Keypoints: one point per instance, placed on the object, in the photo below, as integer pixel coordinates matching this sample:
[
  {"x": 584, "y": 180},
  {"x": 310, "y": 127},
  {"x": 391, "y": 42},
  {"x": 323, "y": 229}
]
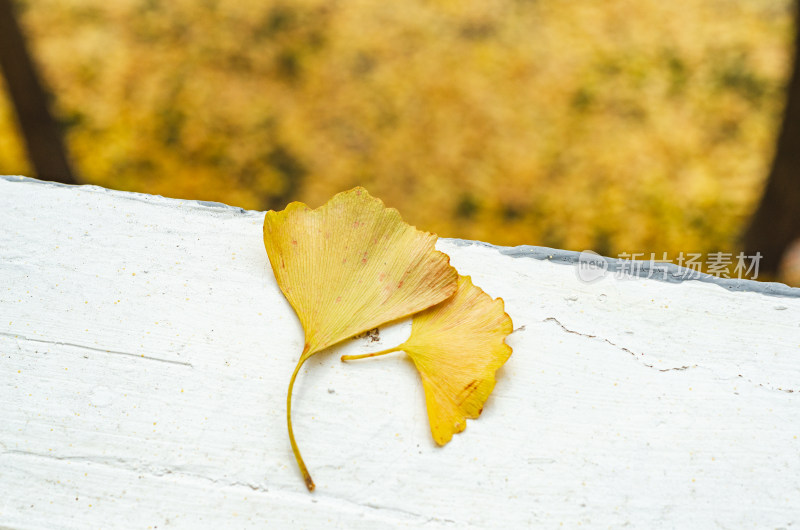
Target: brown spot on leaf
[{"x": 468, "y": 390}]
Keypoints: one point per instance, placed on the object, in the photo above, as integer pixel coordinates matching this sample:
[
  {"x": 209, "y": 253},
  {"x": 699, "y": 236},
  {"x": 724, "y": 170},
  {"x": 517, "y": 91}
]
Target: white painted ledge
[{"x": 145, "y": 352}]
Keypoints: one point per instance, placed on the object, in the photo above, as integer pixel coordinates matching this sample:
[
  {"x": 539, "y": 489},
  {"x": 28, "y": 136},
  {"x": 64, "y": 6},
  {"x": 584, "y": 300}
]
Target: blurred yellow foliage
[{"x": 618, "y": 125}]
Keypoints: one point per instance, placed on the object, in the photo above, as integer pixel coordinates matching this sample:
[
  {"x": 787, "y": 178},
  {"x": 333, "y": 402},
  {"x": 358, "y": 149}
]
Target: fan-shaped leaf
[
  {"x": 457, "y": 346},
  {"x": 349, "y": 266}
]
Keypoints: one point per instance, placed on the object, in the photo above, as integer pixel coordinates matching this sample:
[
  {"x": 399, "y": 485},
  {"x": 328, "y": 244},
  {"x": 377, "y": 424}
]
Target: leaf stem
[
  {"x": 295, "y": 450},
  {"x": 377, "y": 353}
]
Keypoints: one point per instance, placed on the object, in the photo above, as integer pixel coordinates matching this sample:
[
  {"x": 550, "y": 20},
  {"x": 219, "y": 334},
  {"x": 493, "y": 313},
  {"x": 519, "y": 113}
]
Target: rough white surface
[{"x": 146, "y": 350}]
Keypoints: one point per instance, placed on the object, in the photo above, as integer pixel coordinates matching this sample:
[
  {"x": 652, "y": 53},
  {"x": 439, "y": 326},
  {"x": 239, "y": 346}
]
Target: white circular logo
[{"x": 591, "y": 266}]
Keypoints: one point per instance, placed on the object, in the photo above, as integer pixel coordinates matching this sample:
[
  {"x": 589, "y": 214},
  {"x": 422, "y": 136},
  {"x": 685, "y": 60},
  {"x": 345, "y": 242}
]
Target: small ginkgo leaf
[
  {"x": 457, "y": 346},
  {"x": 350, "y": 266}
]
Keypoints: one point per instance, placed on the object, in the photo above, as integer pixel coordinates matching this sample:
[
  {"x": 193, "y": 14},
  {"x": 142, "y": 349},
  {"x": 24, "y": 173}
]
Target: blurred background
[{"x": 621, "y": 126}]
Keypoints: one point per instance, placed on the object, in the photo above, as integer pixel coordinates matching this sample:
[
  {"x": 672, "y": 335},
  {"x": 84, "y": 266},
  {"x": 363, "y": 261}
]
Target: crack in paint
[
  {"x": 767, "y": 387},
  {"x": 638, "y": 356},
  {"x": 622, "y": 348},
  {"x": 334, "y": 502},
  {"x": 90, "y": 348}
]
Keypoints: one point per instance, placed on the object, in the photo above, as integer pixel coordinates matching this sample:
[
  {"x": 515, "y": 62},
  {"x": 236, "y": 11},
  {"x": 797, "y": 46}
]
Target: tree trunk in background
[
  {"x": 42, "y": 135},
  {"x": 776, "y": 223}
]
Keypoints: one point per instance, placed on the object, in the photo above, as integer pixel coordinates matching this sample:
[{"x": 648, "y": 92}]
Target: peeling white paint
[{"x": 145, "y": 352}]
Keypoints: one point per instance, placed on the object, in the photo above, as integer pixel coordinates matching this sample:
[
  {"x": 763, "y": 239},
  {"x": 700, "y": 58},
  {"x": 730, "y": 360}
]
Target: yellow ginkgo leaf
[
  {"x": 349, "y": 266},
  {"x": 457, "y": 346}
]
